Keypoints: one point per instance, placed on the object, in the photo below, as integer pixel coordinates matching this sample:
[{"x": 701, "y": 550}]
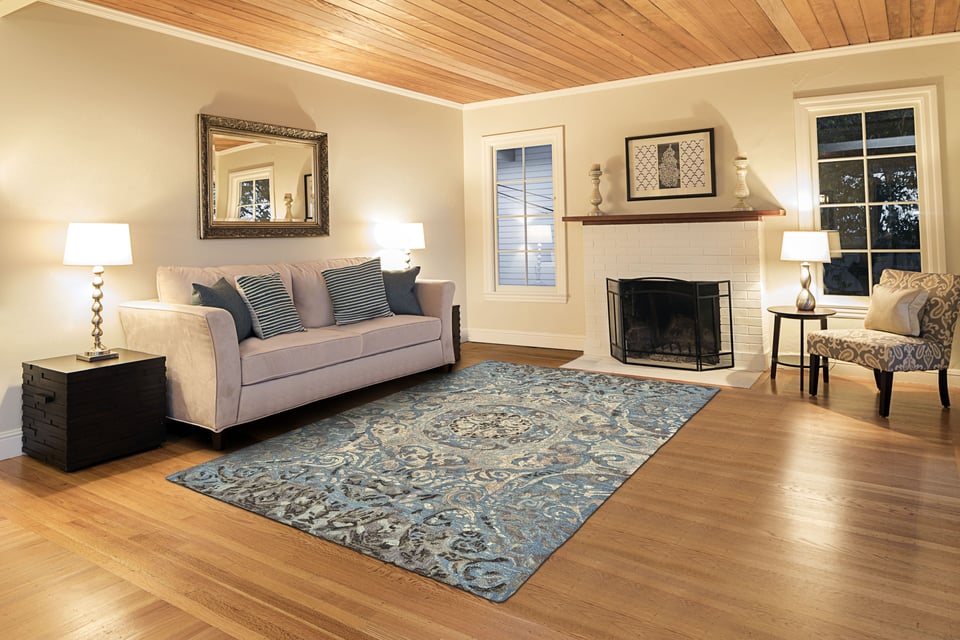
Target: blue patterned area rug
[{"x": 472, "y": 479}]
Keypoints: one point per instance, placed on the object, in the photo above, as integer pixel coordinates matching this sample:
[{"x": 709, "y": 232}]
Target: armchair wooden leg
[
  {"x": 814, "y": 373},
  {"x": 885, "y": 383},
  {"x": 876, "y": 379},
  {"x": 944, "y": 390}
]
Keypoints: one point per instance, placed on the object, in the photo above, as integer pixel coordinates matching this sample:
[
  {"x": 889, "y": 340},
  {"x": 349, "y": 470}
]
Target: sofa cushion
[
  {"x": 401, "y": 291},
  {"x": 293, "y": 353},
  {"x": 386, "y": 334},
  {"x": 309, "y": 290},
  {"x": 175, "y": 284},
  {"x": 225, "y": 296},
  {"x": 271, "y": 307},
  {"x": 895, "y": 310},
  {"x": 357, "y": 292}
]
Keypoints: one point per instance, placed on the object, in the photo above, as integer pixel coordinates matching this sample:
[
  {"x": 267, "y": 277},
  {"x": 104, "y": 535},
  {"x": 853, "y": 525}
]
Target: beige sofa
[{"x": 216, "y": 381}]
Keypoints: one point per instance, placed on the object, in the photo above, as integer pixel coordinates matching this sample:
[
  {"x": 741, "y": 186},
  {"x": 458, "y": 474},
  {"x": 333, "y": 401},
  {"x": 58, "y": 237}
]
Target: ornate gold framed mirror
[{"x": 261, "y": 180}]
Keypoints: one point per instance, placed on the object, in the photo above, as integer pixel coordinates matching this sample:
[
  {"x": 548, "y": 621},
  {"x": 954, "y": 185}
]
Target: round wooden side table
[{"x": 779, "y": 313}]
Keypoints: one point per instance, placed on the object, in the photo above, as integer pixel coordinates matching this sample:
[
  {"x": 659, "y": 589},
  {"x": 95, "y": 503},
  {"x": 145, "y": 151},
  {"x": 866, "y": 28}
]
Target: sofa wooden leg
[
  {"x": 885, "y": 379},
  {"x": 814, "y": 373},
  {"x": 944, "y": 389},
  {"x": 216, "y": 440}
]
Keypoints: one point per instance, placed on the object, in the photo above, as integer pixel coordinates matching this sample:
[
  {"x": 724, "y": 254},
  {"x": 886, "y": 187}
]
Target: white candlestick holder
[
  {"x": 596, "y": 198},
  {"x": 741, "y": 191}
]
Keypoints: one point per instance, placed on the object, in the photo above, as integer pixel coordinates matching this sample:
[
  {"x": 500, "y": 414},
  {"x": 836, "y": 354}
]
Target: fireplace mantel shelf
[{"x": 662, "y": 218}]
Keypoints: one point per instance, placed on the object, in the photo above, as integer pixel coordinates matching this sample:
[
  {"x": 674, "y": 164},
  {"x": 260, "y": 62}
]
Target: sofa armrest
[
  {"x": 203, "y": 357},
  {"x": 436, "y": 299}
]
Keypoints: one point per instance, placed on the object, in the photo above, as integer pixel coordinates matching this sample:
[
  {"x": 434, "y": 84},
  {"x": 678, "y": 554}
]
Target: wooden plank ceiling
[{"x": 467, "y": 51}]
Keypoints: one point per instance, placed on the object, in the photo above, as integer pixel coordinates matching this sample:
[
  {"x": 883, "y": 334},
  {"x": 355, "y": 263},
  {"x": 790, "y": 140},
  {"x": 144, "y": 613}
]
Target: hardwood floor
[{"x": 769, "y": 515}]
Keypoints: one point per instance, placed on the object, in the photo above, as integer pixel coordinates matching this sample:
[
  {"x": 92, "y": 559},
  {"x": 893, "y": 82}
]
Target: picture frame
[
  {"x": 671, "y": 165},
  {"x": 308, "y": 193}
]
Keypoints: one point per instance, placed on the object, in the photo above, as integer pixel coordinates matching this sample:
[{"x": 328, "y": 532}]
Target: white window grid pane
[
  {"x": 524, "y": 199},
  {"x": 866, "y": 157}
]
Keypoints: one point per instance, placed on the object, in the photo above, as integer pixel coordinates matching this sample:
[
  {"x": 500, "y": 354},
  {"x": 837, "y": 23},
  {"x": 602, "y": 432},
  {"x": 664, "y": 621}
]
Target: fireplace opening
[{"x": 665, "y": 322}]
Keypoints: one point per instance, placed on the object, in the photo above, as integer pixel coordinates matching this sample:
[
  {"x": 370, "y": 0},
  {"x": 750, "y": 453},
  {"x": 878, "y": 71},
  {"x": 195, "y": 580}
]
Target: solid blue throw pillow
[
  {"x": 224, "y": 296},
  {"x": 400, "y": 286}
]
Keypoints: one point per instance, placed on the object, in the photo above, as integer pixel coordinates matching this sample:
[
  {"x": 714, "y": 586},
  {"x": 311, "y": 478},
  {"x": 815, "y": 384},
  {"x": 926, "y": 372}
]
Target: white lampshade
[
  {"x": 805, "y": 246},
  {"x": 97, "y": 244},
  {"x": 400, "y": 235},
  {"x": 833, "y": 237},
  {"x": 411, "y": 235}
]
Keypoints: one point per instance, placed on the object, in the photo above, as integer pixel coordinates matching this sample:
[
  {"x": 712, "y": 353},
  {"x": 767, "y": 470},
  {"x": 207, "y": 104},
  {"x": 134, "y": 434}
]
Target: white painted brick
[
  {"x": 731, "y": 260},
  {"x": 718, "y": 251}
]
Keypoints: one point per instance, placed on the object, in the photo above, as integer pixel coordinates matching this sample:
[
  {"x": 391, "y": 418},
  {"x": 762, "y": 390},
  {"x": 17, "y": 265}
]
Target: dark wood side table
[
  {"x": 76, "y": 413},
  {"x": 779, "y": 313}
]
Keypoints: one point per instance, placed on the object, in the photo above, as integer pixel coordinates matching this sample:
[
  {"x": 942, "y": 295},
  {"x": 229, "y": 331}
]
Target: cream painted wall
[
  {"x": 752, "y": 110},
  {"x": 98, "y": 123}
]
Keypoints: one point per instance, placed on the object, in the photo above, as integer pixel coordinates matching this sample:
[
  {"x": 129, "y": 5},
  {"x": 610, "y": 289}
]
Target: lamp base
[
  {"x": 805, "y": 299},
  {"x": 100, "y": 354}
]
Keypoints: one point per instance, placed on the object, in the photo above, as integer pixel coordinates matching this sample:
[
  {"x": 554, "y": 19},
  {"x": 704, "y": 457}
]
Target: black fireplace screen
[{"x": 664, "y": 322}]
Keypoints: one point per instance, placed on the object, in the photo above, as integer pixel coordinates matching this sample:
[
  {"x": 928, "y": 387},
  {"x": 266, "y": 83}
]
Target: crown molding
[{"x": 9, "y": 6}]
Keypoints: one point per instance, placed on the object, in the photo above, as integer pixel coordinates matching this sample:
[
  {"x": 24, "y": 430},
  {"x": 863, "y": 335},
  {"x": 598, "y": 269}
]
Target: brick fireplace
[{"x": 684, "y": 246}]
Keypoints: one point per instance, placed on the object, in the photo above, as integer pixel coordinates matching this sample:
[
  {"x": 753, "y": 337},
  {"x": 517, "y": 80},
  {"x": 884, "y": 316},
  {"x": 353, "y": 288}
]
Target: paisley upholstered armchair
[{"x": 909, "y": 327}]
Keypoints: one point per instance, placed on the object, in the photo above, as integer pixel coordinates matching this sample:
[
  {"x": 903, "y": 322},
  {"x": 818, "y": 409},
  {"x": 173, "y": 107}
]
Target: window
[
  {"x": 251, "y": 195},
  {"x": 523, "y": 190},
  {"x": 869, "y": 168}
]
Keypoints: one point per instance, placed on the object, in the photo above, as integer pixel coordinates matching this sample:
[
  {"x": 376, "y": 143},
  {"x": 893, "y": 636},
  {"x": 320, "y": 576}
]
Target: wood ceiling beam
[
  {"x": 877, "y": 19},
  {"x": 946, "y": 16},
  {"x": 853, "y": 22}
]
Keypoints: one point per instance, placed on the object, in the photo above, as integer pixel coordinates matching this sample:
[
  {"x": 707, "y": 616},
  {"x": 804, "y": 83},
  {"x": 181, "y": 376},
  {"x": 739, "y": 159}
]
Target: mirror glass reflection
[{"x": 259, "y": 180}]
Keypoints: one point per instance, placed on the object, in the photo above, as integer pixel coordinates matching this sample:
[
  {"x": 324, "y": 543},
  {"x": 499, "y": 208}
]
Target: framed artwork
[
  {"x": 308, "y": 196},
  {"x": 671, "y": 165}
]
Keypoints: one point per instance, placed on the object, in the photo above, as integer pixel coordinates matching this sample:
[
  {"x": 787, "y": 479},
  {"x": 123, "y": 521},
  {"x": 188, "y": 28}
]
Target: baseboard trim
[
  {"x": 526, "y": 339},
  {"x": 11, "y": 443}
]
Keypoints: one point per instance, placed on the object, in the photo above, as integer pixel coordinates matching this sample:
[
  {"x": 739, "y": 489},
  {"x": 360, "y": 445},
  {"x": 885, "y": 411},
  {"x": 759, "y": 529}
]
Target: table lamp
[
  {"x": 95, "y": 245},
  {"x": 805, "y": 247},
  {"x": 405, "y": 236}
]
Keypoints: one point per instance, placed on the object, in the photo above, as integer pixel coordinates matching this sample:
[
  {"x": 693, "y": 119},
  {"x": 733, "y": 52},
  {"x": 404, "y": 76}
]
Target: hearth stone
[{"x": 665, "y": 322}]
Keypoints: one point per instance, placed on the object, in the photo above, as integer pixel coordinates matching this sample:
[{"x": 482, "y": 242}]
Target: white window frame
[
  {"x": 259, "y": 173},
  {"x": 929, "y": 174},
  {"x": 506, "y": 293}
]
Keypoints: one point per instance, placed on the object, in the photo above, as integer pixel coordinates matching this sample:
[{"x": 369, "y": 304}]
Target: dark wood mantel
[{"x": 666, "y": 218}]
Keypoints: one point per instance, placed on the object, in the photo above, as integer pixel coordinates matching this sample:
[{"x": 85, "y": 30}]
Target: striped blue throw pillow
[
  {"x": 271, "y": 308},
  {"x": 357, "y": 292}
]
